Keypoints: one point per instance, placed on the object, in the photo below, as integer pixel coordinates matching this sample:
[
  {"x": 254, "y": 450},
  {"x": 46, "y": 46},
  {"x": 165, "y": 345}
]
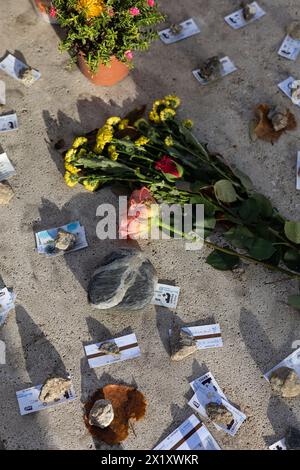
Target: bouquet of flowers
[
  {"x": 101, "y": 29},
  {"x": 162, "y": 161}
]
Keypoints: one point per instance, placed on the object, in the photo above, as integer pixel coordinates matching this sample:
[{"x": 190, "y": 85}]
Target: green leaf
[
  {"x": 264, "y": 205},
  {"x": 225, "y": 191},
  {"x": 261, "y": 249},
  {"x": 294, "y": 301},
  {"x": 292, "y": 231},
  {"x": 103, "y": 164},
  {"x": 291, "y": 259},
  {"x": 222, "y": 261},
  {"x": 244, "y": 179},
  {"x": 249, "y": 211},
  {"x": 240, "y": 237}
]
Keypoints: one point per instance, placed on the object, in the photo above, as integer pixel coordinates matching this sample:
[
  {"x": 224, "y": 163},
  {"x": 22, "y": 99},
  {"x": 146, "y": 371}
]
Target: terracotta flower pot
[{"x": 105, "y": 75}]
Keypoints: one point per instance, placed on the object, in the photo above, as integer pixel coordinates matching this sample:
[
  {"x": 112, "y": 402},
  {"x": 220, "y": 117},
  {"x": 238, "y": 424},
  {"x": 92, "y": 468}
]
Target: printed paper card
[
  {"x": 28, "y": 400},
  {"x": 298, "y": 172},
  {"x": 6, "y": 168},
  {"x": 290, "y": 48},
  {"x": 188, "y": 28},
  {"x": 228, "y": 68},
  {"x": 45, "y": 240},
  {"x": 7, "y": 299},
  {"x": 206, "y": 391},
  {"x": 280, "y": 445},
  {"x": 207, "y": 336},
  {"x": 14, "y": 68},
  {"x": 286, "y": 87},
  {"x": 128, "y": 349},
  {"x": 192, "y": 434},
  {"x": 166, "y": 296},
  {"x": 8, "y": 122},
  {"x": 292, "y": 361},
  {"x": 236, "y": 20},
  {"x": 2, "y": 92}
]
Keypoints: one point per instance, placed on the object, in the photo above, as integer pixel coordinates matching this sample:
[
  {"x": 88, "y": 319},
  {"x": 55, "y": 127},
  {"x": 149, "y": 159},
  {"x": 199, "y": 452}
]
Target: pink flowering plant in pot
[{"x": 100, "y": 30}]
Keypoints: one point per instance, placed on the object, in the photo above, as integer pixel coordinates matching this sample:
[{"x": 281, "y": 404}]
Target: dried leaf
[{"x": 264, "y": 129}]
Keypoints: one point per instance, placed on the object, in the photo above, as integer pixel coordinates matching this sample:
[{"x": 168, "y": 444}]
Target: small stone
[
  {"x": 211, "y": 69},
  {"x": 26, "y": 76},
  {"x": 64, "y": 240},
  {"x": 279, "y": 117},
  {"x": 176, "y": 29},
  {"x": 182, "y": 344},
  {"x": 101, "y": 414},
  {"x": 293, "y": 30},
  {"x": 54, "y": 389},
  {"x": 295, "y": 89},
  {"x": 126, "y": 279},
  {"x": 292, "y": 439},
  {"x": 249, "y": 11},
  {"x": 219, "y": 414},
  {"x": 109, "y": 347},
  {"x": 285, "y": 382},
  {"x": 6, "y": 192}
]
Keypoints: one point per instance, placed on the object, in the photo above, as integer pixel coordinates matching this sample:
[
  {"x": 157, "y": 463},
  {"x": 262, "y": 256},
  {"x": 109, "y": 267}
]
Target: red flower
[
  {"x": 169, "y": 167},
  {"x": 52, "y": 12},
  {"x": 142, "y": 208}
]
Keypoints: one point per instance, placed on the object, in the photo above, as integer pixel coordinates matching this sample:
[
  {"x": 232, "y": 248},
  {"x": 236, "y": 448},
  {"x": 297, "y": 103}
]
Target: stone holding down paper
[
  {"x": 184, "y": 30},
  {"x": 112, "y": 351},
  {"x": 47, "y": 240},
  {"x": 237, "y": 20},
  {"x": 18, "y": 70},
  {"x": 286, "y": 87},
  {"x": 228, "y": 67}
]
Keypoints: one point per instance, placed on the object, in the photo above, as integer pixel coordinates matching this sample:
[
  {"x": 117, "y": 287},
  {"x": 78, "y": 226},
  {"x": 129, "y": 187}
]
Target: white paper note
[
  {"x": 2, "y": 353},
  {"x": 189, "y": 28},
  {"x": 207, "y": 336},
  {"x": 280, "y": 445},
  {"x": 298, "y": 172},
  {"x": 6, "y": 168},
  {"x": 192, "y": 434},
  {"x": 2, "y": 92},
  {"x": 290, "y": 48},
  {"x": 166, "y": 296},
  {"x": 236, "y": 20},
  {"x": 228, "y": 67},
  {"x": 7, "y": 299},
  {"x": 45, "y": 239},
  {"x": 128, "y": 346},
  {"x": 206, "y": 391},
  {"x": 8, "y": 122},
  {"x": 13, "y": 67},
  {"x": 285, "y": 86},
  {"x": 292, "y": 361},
  {"x": 28, "y": 400}
]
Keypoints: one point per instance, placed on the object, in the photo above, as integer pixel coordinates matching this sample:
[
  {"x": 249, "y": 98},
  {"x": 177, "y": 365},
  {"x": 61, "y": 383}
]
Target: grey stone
[
  {"x": 176, "y": 29},
  {"x": 292, "y": 439},
  {"x": 249, "y": 11},
  {"x": 285, "y": 382},
  {"x": 211, "y": 69},
  {"x": 109, "y": 347},
  {"x": 181, "y": 343},
  {"x": 64, "y": 240},
  {"x": 293, "y": 30},
  {"x": 279, "y": 117},
  {"x": 219, "y": 414},
  {"x": 6, "y": 193},
  {"x": 54, "y": 389},
  {"x": 101, "y": 414},
  {"x": 126, "y": 279}
]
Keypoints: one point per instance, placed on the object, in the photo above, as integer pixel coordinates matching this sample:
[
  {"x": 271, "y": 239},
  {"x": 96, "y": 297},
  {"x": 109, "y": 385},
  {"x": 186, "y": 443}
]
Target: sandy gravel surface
[{"x": 53, "y": 319}]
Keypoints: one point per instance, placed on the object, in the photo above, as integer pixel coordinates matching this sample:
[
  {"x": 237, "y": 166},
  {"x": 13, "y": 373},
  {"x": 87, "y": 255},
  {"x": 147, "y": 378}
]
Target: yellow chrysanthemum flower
[
  {"x": 188, "y": 123},
  {"x": 141, "y": 141},
  {"x": 91, "y": 8},
  {"x": 153, "y": 116},
  {"x": 157, "y": 104},
  {"x": 166, "y": 114},
  {"x": 70, "y": 155},
  {"x": 71, "y": 180},
  {"x": 91, "y": 185},
  {"x": 169, "y": 141},
  {"x": 112, "y": 121},
  {"x": 123, "y": 124},
  {"x": 112, "y": 151},
  {"x": 78, "y": 142},
  {"x": 71, "y": 168},
  {"x": 104, "y": 136},
  {"x": 173, "y": 101}
]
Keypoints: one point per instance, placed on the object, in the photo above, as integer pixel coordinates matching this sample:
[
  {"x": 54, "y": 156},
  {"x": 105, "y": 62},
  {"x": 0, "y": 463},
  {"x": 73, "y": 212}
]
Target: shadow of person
[{"x": 265, "y": 355}]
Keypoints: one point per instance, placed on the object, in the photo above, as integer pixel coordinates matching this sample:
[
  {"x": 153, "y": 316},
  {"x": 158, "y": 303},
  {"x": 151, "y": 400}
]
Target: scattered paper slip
[
  {"x": 28, "y": 400},
  {"x": 166, "y": 296},
  {"x": 7, "y": 299},
  {"x": 292, "y": 361},
  {"x": 192, "y": 434},
  {"x": 208, "y": 336},
  {"x": 2, "y": 92},
  {"x": 228, "y": 68},
  {"x": 280, "y": 445},
  {"x": 236, "y": 20},
  {"x": 2, "y": 353},
  {"x": 6, "y": 168},
  {"x": 206, "y": 391},
  {"x": 189, "y": 28},
  {"x": 8, "y": 122},
  {"x": 14, "y": 68},
  {"x": 298, "y": 172},
  {"x": 128, "y": 346},
  {"x": 285, "y": 86},
  {"x": 45, "y": 239},
  {"x": 290, "y": 48}
]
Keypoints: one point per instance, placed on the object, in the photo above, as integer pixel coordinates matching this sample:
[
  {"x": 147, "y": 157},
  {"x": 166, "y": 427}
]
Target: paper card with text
[
  {"x": 8, "y": 122},
  {"x": 207, "y": 336},
  {"x": 7, "y": 299},
  {"x": 228, "y": 68},
  {"x": 14, "y": 68},
  {"x": 45, "y": 240},
  {"x": 236, "y": 20},
  {"x": 285, "y": 86},
  {"x": 192, "y": 434},
  {"x": 206, "y": 391},
  {"x": 28, "y": 400},
  {"x": 166, "y": 296},
  {"x": 188, "y": 28},
  {"x": 290, "y": 48},
  {"x": 298, "y": 172},
  {"x": 280, "y": 445},
  {"x": 6, "y": 168},
  {"x": 128, "y": 349},
  {"x": 2, "y": 92},
  {"x": 292, "y": 361}
]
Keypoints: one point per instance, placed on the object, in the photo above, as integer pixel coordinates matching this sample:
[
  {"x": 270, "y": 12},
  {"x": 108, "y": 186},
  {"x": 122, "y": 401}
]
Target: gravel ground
[{"x": 52, "y": 319}]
